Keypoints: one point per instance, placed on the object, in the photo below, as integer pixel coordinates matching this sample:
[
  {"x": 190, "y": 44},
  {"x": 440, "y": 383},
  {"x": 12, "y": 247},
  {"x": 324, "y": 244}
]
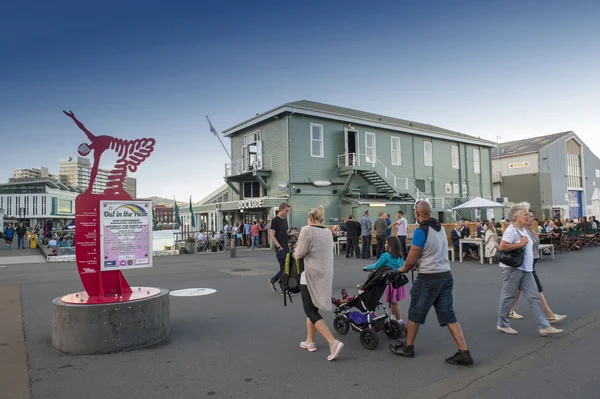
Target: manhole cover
[
  {"x": 241, "y": 270},
  {"x": 193, "y": 292}
]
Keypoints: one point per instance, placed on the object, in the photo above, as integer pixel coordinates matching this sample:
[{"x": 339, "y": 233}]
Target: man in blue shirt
[
  {"x": 433, "y": 286},
  {"x": 248, "y": 233},
  {"x": 227, "y": 230}
]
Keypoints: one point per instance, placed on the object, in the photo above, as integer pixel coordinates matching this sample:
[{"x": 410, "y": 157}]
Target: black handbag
[
  {"x": 398, "y": 280},
  {"x": 512, "y": 258}
]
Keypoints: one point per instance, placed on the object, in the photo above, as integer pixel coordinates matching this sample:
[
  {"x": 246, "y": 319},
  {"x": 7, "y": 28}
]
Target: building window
[
  {"x": 370, "y": 147},
  {"x": 9, "y": 206},
  {"x": 420, "y": 184},
  {"x": 395, "y": 146},
  {"x": 18, "y": 205},
  {"x": 427, "y": 153},
  {"x": 598, "y": 173},
  {"x": 476, "y": 161},
  {"x": 252, "y": 189},
  {"x": 455, "y": 189},
  {"x": 455, "y": 157},
  {"x": 316, "y": 141},
  {"x": 252, "y": 152},
  {"x": 448, "y": 188},
  {"x": 44, "y": 208},
  {"x": 34, "y": 203},
  {"x": 26, "y": 205},
  {"x": 64, "y": 206},
  {"x": 464, "y": 189}
]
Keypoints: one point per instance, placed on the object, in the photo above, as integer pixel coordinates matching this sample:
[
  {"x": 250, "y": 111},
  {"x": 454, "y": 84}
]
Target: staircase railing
[
  {"x": 405, "y": 185},
  {"x": 369, "y": 163}
]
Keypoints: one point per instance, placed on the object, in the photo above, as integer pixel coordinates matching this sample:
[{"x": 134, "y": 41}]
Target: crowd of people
[
  {"x": 433, "y": 287},
  {"x": 44, "y": 234}
]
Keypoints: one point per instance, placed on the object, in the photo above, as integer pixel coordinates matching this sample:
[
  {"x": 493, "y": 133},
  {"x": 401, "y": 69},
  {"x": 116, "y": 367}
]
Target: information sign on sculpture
[{"x": 125, "y": 234}]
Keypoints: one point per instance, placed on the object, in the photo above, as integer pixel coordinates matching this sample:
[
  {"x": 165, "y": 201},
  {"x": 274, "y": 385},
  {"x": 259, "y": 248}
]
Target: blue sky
[{"x": 492, "y": 68}]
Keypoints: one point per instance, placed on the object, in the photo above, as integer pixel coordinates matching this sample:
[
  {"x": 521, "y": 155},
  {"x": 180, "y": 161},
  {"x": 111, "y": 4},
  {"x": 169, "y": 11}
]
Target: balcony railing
[{"x": 248, "y": 165}]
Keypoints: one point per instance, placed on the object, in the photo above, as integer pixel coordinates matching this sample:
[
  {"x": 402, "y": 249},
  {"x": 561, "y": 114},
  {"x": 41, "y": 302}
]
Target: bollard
[{"x": 232, "y": 253}]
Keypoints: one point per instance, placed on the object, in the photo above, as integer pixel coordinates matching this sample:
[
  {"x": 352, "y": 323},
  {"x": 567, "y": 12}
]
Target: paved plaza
[{"x": 241, "y": 342}]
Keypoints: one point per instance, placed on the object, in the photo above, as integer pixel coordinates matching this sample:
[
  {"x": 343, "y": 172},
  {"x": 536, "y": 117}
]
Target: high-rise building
[
  {"x": 131, "y": 186},
  {"x": 33, "y": 173},
  {"x": 77, "y": 174}
]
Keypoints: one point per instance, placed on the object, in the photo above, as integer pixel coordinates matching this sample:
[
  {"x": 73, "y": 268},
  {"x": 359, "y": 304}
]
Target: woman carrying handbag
[{"x": 515, "y": 254}]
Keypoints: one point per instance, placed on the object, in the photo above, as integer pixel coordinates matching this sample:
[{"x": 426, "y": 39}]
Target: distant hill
[{"x": 168, "y": 201}]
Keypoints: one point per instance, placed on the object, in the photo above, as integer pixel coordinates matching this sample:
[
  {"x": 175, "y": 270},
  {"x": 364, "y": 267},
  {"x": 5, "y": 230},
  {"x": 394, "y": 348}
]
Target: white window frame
[
  {"x": 320, "y": 141},
  {"x": 476, "y": 161},
  {"x": 448, "y": 188},
  {"x": 598, "y": 173},
  {"x": 455, "y": 155},
  {"x": 395, "y": 154},
  {"x": 464, "y": 189},
  {"x": 456, "y": 188},
  {"x": 370, "y": 158},
  {"x": 249, "y": 139},
  {"x": 427, "y": 158}
]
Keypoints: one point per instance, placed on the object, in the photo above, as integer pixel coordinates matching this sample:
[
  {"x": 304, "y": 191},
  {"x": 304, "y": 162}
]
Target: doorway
[{"x": 351, "y": 146}]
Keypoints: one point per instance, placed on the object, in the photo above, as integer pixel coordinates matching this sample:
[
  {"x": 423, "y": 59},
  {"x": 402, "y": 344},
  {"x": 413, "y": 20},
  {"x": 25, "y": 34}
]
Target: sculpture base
[
  {"x": 89, "y": 328},
  {"x": 137, "y": 293}
]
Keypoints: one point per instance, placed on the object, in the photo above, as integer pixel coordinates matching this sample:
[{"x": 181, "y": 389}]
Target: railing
[
  {"x": 246, "y": 165},
  {"x": 368, "y": 162},
  {"x": 441, "y": 203},
  {"x": 405, "y": 185}
]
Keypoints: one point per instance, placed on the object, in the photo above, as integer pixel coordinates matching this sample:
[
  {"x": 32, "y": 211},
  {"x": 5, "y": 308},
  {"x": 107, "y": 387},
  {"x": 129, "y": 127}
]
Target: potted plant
[{"x": 190, "y": 244}]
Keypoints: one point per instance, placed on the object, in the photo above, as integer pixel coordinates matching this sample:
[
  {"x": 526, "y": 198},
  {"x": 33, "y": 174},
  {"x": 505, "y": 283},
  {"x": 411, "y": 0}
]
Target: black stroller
[{"x": 365, "y": 320}]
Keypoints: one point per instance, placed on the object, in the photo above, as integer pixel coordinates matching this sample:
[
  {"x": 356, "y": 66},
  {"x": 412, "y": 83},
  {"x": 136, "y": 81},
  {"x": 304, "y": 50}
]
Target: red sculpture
[{"x": 103, "y": 286}]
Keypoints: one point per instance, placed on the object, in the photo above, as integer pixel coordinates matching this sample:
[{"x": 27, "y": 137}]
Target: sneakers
[
  {"x": 283, "y": 293},
  {"x": 515, "y": 315},
  {"x": 272, "y": 283},
  {"x": 461, "y": 358},
  {"x": 544, "y": 332},
  {"x": 309, "y": 347},
  {"x": 335, "y": 351},
  {"x": 507, "y": 330},
  {"x": 401, "y": 349},
  {"x": 556, "y": 318}
]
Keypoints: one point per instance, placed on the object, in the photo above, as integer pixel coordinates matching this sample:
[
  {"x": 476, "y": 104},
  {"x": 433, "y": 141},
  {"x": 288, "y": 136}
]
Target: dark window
[
  {"x": 420, "y": 185},
  {"x": 252, "y": 189}
]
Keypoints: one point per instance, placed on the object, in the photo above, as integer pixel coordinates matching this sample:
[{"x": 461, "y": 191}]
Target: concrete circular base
[{"x": 106, "y": 328}]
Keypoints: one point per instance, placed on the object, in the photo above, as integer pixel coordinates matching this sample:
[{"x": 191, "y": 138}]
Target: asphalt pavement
[{"x": 241, "y": 342}]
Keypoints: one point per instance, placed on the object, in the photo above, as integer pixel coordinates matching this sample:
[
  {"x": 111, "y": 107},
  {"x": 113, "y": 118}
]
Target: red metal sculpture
[{"x": 103, "y": 286}]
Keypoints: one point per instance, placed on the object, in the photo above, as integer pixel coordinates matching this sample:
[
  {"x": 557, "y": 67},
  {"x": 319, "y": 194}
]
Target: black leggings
[
  {"x": 535, "y": 277},
  {"x": 312, "y": 312}
]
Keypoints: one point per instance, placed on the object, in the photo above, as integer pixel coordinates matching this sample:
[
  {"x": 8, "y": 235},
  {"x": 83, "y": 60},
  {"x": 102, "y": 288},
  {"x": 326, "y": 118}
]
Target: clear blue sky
[{"x": 154, "y": 69}]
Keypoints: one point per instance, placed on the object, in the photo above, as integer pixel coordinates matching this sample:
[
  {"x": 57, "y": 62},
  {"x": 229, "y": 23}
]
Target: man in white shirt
[
  {"x": 401, "y": 228},
  {"x": 53, "y": 242},
  {"x": 201, "y": 239}
]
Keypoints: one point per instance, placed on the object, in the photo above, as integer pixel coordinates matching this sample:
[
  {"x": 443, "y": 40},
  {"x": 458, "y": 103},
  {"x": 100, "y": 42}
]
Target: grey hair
[{"x": 515, "y": 210}]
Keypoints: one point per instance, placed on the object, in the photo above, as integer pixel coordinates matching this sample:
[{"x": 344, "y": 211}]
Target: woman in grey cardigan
[{"x": 315, "y": 247}]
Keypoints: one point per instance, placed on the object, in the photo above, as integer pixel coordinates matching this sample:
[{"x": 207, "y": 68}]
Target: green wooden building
[{"x": 309, "y": 154}]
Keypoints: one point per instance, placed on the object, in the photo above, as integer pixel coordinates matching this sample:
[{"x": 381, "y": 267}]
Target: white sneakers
[
  {"x": 507, "y": 330},
  {"x": 556, "y": 318},
  {"x": 549, "y": 331}
]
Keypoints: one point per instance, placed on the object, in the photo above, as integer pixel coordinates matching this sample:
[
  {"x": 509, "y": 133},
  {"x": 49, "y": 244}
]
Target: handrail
[{"x": 236, "y": 167}]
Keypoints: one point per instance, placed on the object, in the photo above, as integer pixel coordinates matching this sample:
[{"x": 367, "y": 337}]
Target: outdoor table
[
  {"x": 476, "y": 241},
  {"x": 337, "y": 244}
]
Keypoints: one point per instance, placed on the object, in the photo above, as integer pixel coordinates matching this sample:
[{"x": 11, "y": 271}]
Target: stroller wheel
[
  {"x": 394, "y": 330},
  {"x": 341, "y": 325},
  {"x": 369, "y": 339}
]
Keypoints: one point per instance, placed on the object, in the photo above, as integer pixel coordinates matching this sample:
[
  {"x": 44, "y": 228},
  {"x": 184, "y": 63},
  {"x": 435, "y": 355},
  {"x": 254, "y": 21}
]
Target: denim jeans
[
  {"x": 512, "y": 280},
  {"x": 255, "y": 242},
  {"x": 280, "y": 255},
  {"x": 21, "y": 242},
  {"x": 426, "y": 293},
  {"x": 366, "y": 246}
]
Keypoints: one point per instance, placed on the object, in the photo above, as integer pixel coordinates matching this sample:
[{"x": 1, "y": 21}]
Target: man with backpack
[
  {"x": 9, "y": 234},
  {"x": 279, "y": 237}
]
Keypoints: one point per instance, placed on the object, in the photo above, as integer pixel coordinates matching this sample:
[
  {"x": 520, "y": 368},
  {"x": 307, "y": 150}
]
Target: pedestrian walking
[
  {"x": 21, "y": 232},
  {"x": 9, "y": 235},
  {"x": 279, "y": 237},
  {"x": 366, "y": 226},
  {"x": 433, "y": 286},
  {"x": 316, "y": 281},
  {"x": 255, "y": 235},
  {"x": 514, "y": 278}
]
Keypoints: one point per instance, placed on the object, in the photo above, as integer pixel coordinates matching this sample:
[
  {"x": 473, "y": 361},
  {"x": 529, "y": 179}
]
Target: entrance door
[
  {"x": 351, "y": 146},
  {"x": 575, "y": 210}
]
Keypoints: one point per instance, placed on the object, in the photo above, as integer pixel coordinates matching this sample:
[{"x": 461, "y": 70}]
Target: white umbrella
[
  {"x": 596, "y": 203},
  {"x": 479, "y": 203}
]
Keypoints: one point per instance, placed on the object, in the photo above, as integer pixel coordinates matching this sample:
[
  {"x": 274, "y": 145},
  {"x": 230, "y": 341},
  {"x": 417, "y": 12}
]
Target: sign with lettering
[
  {"x": 125, "y": 234},
  {"x": 519, "y": 165},
  {"x": 251, "y": 203}
]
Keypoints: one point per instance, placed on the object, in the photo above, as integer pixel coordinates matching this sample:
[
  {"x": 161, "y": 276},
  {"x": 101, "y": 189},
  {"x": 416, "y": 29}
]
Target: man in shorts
[{"x": 433, "y": 286}]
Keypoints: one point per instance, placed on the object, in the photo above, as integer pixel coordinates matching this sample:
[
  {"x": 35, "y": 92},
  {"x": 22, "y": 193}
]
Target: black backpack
[{"x": 290, "y": 281}]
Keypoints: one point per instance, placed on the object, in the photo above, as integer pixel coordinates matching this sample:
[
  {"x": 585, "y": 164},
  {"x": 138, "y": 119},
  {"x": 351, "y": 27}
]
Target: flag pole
[{"x": 214, "y": 131}]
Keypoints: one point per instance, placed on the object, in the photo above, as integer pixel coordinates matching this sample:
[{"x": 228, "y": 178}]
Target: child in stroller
[{"x": 364, "y": 320}]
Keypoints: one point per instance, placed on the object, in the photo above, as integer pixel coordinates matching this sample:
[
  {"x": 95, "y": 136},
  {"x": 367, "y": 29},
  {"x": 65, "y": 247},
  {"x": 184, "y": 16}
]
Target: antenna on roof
[{"x": 498, "y": 146}]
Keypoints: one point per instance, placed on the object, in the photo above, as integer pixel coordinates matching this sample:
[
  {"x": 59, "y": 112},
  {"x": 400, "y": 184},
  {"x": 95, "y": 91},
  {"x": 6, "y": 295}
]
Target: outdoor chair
[
  {"x": 574, "y": 240},
  {"x": 590, "y": 238}
]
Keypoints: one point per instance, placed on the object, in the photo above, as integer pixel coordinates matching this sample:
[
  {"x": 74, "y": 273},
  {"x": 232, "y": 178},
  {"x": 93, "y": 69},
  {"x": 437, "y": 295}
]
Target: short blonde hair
[
  {"x": 317, "y": 214},
  {"x": 515, "y": 210}
]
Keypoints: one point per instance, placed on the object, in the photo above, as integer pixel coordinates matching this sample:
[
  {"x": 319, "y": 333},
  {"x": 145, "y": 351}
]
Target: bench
[
  {"x": 47, "y": 251},
  {"x": 546, "y": 246}
]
